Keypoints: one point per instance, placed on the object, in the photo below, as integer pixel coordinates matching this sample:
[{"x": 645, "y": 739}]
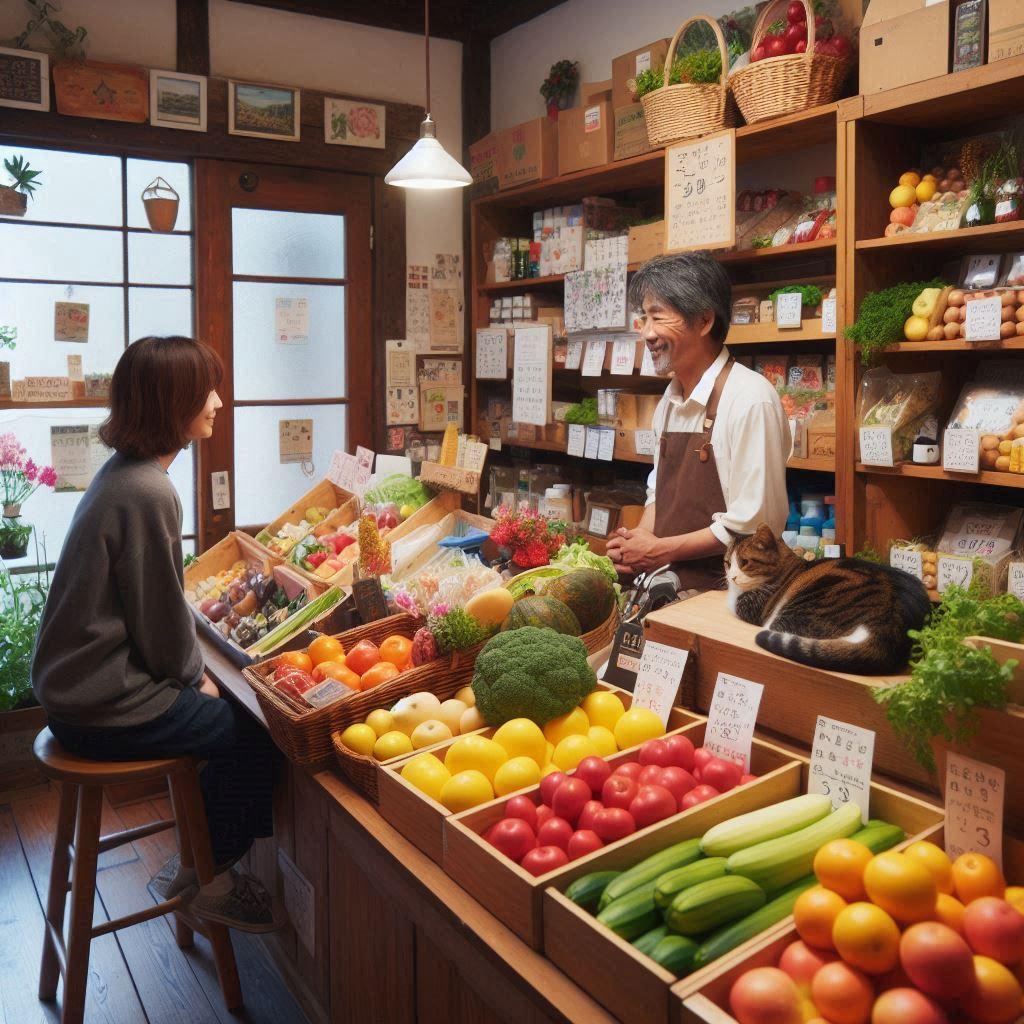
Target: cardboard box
[
  {"x": 483, "y": 162},
  {"x": 528, "y": 152},
  {"x": 630, "y": 132},
  {"x": 585, "y": 137},
  {"x": 903, "y": 41},
  {"x": 646, "y": 241},
  {"x": 596, "y": 92},
  {"x": 626, "y": 67},
  {"x": 821, "y": 436},
  {"x": 1005, "y": 29}
]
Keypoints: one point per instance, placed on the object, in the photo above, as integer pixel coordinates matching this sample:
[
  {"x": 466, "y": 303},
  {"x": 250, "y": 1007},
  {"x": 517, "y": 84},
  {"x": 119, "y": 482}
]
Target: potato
[
  {"x": 936, "y": 334},
  {"x": 1018, "y": 431},
  {"x": 952, "y": 315},
  {"x": 1004, "y": 446},
  {"x": 989, "y": 442},
  {"x": 951, "y": 331},
  {"x": 1007, "y": 314},
  {"x": 955, "y": 297},
  {"x": 1003, "y": 464},
  {"x": 1020, "y": 296},
  {"x": 1007, "y": 329},
  {"x": 930, "y": 567},
  {"x": 1019, "y": 315},
  {"x": 1020, "y": 330},
  {"x": 988, "y": 459}
]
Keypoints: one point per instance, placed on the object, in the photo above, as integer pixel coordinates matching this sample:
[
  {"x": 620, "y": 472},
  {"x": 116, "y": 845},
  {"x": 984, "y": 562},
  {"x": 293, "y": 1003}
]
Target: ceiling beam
[
  {"x": 494, "y": 18},
  {"x": 193, "y": 36}
]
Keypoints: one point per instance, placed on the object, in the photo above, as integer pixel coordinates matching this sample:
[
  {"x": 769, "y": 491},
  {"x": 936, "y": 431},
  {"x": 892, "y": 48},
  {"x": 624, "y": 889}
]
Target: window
[{"x": 86, "y": 240}]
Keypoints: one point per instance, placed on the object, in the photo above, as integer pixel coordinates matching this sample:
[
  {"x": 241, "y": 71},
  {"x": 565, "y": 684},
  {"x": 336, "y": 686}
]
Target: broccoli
[{"x": 532, "y": 673}]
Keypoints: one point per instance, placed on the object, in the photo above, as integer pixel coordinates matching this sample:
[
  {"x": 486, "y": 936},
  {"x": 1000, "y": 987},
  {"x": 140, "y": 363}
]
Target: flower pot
[
  {"x": 12, "y": 510},
  {"x": 13, "y": 547},
  {"x": 18, "y": 730},
  {"x": 161, "y": 203},
  {"x": 12, "y": 203}
]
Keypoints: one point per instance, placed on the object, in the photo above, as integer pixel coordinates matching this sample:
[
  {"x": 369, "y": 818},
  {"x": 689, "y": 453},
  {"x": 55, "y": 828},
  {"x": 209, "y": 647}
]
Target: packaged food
[
  {"x": 980, "y": 271},
  {"x": 1008, "y": 200},
  {"x": 941, "y": 213},
  {"x": 830, "y": 373},
  {"x": 806, "y": 372},
  {"x": 1014, "y": 275},
  {"x": 744, "y": 311},
  {"x": 774, "y": 368},
  {"x": 980, "y": 530},
  {"x": 904, "y": 402}
]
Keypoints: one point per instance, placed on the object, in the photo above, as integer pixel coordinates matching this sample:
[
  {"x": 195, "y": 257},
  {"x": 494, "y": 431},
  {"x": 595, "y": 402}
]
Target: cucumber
[
  {"x": 675, "y": 953},
  {"x": 648, "y": 870},
  {"x": 879, "y": 836},
  {"x": 646, "y": 943},
  {"x": 671, "y": 884},
  {"x": 759, "y": 826},
  {"x": 586, "y": 891},
  {"x": 633, "y": 914},
  {"x": 733, "y": 935},
  {"x": 779, "y": 862},
  {"x": 713, "y": 903}
]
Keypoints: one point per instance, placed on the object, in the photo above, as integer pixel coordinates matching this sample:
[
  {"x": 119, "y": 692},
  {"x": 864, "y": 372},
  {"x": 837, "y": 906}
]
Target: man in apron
[{"x": 721, "y": 437}]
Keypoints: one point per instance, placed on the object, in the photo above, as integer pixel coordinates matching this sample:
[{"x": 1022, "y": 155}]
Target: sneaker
[
  {"x": 247, "y": 906},
  {"x": 171, "y": 880}
]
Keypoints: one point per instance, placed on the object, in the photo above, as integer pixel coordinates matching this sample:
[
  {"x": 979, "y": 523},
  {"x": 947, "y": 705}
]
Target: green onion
[{"x": 297, "y": 622}]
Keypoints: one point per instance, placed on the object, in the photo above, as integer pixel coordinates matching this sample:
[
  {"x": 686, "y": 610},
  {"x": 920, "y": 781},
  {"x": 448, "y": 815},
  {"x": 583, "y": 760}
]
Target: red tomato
[
  {"x": 656, "y": 752},
  {"x": 840, "y": 46},
  {"x": 631, "y": 770},
  {"x": 650, "y": 775},
  {"x": 613, "y": 823},
  {"x": 744, "y": 779},
  {"x": 618, "y": 791},
  {"x": 723, "y": 775},
  {"x": 554, "y": 832},
  {"x": 794, "y": 34},
  {"x": 544, "y": 859},
  {"x": 757, "y": 53},
  {"x": 586, "y": 818},
  {"x": 701, "y": 756},
  {"x": 583, "y": 842},
  {"x": 678, "y": 781},
  {"x": 594, "y": 771},
  {"x": 651, "y": 804},
  {"x": 822, "y": 27},
  {"x": 697, "y": 796},
  {"x": 775, "y": 46},
  {"x": 801, "y": 46},
  {"x": 549, "y": 784},
  {"x": 544, "y": 813},
  {"x": 682, "y": 751},
  {"x": 524, "y": 808},
  {"x": 512, "y": 837},
  {"x": 569, "y": 799},
  {"x": 362, "y": 657},
  {"x": 795, "y": 13}
]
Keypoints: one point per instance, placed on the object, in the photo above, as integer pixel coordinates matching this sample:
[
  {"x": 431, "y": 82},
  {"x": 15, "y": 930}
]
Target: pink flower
[
  {"x": 31, "y": 470},
  {"x": 362, "y": 122},
  {"x": 48, "y": 476}
]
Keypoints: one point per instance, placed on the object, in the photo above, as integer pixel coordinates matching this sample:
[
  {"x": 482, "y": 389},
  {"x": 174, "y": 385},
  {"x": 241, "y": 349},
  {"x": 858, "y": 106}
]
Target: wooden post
[{"x": 194, "y": 36}]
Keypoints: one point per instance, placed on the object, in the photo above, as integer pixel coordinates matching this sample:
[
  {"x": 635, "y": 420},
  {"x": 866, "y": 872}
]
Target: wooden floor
[{"x": 135, "y": 975}]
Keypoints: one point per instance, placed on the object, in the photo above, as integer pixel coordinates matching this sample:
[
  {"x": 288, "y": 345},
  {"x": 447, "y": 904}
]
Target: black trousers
[{"x": 237, "y": 780}]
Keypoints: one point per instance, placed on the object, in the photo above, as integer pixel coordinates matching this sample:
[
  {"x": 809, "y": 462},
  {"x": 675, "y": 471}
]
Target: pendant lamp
[{"x": 427, "y": 165}]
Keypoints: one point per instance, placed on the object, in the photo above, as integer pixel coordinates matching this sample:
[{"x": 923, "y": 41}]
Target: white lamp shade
[{"x": 428, "y": 166}]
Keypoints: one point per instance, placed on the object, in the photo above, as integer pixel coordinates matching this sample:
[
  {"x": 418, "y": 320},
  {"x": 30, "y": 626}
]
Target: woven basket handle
[
  {"x": 681, "y": 31},
  {"x": 764, "y": 19}
]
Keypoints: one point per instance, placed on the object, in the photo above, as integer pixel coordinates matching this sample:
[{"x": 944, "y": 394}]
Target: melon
[
  {"x": 586, "y": 593},
  {"x": 543, "y": 611},
  {"x": 490, "y": 607}
]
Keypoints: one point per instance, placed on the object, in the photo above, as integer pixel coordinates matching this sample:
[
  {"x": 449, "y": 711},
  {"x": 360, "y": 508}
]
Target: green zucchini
[
  {"x": 586, "y": 891},
  {"x": 648, "y": 870},
  {"x": 633, "y": 914},
  {"x": 675, "y": 953},
  {"x": 732, "y": 935},
  {"x": 713, "y": 903},
  {"x": 646, "y": 943},
  {"x": 781, "y": 819},
  {"x": 879, "y": 836},
  {"x": 672, "y": 883}
]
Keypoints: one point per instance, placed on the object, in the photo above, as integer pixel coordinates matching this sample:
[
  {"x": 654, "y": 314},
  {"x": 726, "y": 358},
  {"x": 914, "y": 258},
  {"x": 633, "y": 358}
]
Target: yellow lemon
[
  {"x": 427, "y": 733},
  {"x": 903, "y": 195},
  {"x": 516, "y": 773},
  {"x": 925, "y": 190},
  {"x": 575, "y": 723},
  {"x": 359, "y": 738},
  {"x": 475, "y": 753},
  {"x": 450, "y": 712},
  {"x": 549, "y": 752},
  {"x": 380, "y": 721},
  {"x": 391, "y": 744},
  {"x": 604, "y": 739},
  {"x": 911, "y": 178},
  {"x": 636, "y": 726},
  {"x": 570, "y": 751},
  {"x": 467, "y": 696},
  {"x": 603, "y": 708},
  {"x": 466, "y": 789},
  {"x": 522, "y": 738},
  {"x": 427, "y": 774},
  {"x": 916, "y": 328}
]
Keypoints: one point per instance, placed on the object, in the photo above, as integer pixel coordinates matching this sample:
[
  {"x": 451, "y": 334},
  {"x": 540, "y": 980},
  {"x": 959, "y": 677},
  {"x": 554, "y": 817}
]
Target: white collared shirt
[{"x": 751, "y": 442}]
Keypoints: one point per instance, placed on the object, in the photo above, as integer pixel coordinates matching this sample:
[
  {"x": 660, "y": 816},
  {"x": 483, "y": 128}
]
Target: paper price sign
[
  {"x": 342, "y": 470},
  {"x": 295, "y": 440},
  {"x": 960, "y": 446},
  {"x": 643, "y": 442},
  {"x": 647, "y": 364},
  {"x": 983, "y": 319},
  {"x": 623, "y": 356},
  {"x": 789, "y": 309},
  {"x": 828, "y": 316},
  {"x": 659, "y": 677},
  {"x": 1015, "y": 579},
  {"x": 954, "y": 572},
  {"x": 577, "y": 439},
  {"x": 876, "y": 446},
  {"x": 491, "y": 354},
  {"x": 221, "y": 490},
  {"x": 574, "y": 353},
  {"x": 593, "y": 358},
  {"x": 907, "y": 560},
  {"x": 593, "y": 442},
  {"x": 606, "y": 444},
  {"x": 732, "y": 717},
  {"x": 974, "y": 807},
  {"x": 841, "y": 763}
]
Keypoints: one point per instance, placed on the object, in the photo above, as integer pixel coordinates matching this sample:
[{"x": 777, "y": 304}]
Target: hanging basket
[
  {"x": 688, "y": 109},
  {"x": 776, "y": 86},
  {"x": 161, "y": 203}
]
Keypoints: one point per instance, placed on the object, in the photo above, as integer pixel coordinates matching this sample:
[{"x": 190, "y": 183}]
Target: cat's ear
[{"x": 765, "y": 537}]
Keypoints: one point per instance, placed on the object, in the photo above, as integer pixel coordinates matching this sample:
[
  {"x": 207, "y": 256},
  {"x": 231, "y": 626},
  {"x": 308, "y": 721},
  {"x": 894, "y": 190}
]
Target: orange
[
  {"x": 976, "y": 875},
  {"x": 396, "y": 649},
  {"x": 1014, "y": 895},
  {"x": 935, "y": 859},
  {"x": 996, "y": 996},
  {"x": 325, "y": 648},
  {"x": 299, "y": 659},
  {"x": 840, "y": 865},
  {"x": 377, "y": 674},
  {"x": 901, "y": 886},
  {"x": 842, "y": 994},
  {"x": 362, "y": 657},
  {"x": 814, "y": 913},
  {"x": 867, "y": 938},
  {"x": 337, "y": 671},
  {"x": 950, "y": 912}
]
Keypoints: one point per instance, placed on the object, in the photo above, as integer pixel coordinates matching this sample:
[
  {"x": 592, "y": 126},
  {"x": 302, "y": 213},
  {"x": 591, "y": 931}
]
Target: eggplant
[{"x": 217, "y": 611}]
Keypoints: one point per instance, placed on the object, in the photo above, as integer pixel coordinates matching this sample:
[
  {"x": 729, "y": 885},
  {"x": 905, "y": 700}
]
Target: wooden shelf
[
  {"x": 959, "y": 345},
  {"x": 1011, "y": 480},
  {"x": 984, "y": 239},
  {"x": 824, "y": 246},
  {"x": 812, "y": 464},
  {"x": 523, "y": 284},
  {"x": 74, "y": 403},
  {"x": 769, "y": 334}
]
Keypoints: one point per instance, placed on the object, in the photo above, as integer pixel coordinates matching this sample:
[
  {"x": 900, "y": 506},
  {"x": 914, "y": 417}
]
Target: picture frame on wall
[
  {"x": 264, "y": 111},
  {"x": 354, "y": 123},
  {"x": 24, "y": 79},
  {"x": 177, "y": 100}
]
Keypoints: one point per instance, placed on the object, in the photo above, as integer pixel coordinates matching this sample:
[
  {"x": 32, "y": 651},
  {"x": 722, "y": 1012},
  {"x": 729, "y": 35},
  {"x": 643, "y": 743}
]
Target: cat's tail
[{"x": 857, "y": 652}]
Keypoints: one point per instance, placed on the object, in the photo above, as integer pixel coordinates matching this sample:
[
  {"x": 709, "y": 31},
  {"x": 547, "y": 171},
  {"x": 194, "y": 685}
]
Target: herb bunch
[
  {"x": 811, "y": 294},
  {"x": 455, "y": 629},
  {"x": 21, "y": 609},
  {"x": 882, "y": 315}
]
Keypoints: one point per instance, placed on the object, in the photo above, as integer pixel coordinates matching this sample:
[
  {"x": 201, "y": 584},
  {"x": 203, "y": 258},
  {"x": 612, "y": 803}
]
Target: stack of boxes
[{"x": 630, "y": 127}]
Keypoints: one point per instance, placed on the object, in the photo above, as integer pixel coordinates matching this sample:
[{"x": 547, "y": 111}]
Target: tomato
[
  {"x": 631, "y": 770},
  {"x": 554, "y": 832},
  {"x": 678, "y": 781},
  {"x": 544, "y": 813},
  {"x": 696, "y": 796},
  {"x": 701, "y": 756},
  {"x": 549, "y": 784},
  {"x": 744, "y": 779},
  {"x": 795, "y": 13},
  {"x": 543, "y": 859},
  {"x": 650, "y": 775},
  {"x": 325, "y": 648},
  {"x": 293, "y": 681},
  {"x": 594, "y": 771},
  {"x": 723, "y": 775},
  {"x": 613, "y": 823},
  {"x": 801, "y": 47},
  {"x": 651, "y": 804},
  {"x": 656, "y": 752},
  {"x": 396, "y": 649},
  {"x": 587, "y": 815},
  {"x": 362, "y": 657},
  {"x": 583, "y": 842},
  {"x": 619, "y": 791},
  {"x": 569, "y": 798},
  {"x": 757, "y": 53},
  {"x": 682, "y": 751},
  {"x": 512, "y": 837},
  {"x": 524, "y": 808},
  {"x": 297, "y": 659},
  {"x": 794, "y": 34},
  {"x": 840, "y": 46},
  {"x": 377, "y": 674},
  {"x": 775, "y": 46},
  {"x": 339, "y": 672}
]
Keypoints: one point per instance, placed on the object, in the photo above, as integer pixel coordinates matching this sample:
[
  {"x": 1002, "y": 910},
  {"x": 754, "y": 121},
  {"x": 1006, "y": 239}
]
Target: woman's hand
[{"x": 209, "y": 687}]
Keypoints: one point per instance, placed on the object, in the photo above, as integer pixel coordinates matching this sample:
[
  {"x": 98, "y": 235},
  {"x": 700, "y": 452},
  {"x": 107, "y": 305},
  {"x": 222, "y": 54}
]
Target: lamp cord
[{"x": 426, "y": 41}]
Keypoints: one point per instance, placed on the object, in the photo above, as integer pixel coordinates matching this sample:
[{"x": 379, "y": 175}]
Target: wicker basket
[
  {"x": 688, "y": 109},
  {"x": 776, "y": 86}
]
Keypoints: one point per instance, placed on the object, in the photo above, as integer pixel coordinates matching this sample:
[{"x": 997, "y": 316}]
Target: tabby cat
[{"x": 844, "y": 614}]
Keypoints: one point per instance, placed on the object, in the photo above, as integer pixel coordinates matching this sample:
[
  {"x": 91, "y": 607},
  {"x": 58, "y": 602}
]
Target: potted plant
[
  {"x": 14, "y": 197},
  {"x": 560, "y": 85},
  {"x": 20, "y": 478}
]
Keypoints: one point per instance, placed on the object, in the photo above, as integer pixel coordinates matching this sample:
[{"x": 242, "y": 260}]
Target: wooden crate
[
  {"x": 457, "y": 521},
  {"x": 421, "y": 819},
  {"x": 631, "y": 985},
  {"x": 344, "y": 505},
  {"x": 515, "y": 896}
]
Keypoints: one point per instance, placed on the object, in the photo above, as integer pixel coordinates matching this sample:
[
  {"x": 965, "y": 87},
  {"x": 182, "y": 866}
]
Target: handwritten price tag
[
  {"x": 593, "y": 358},
  {"x": 841, "y": 763},
  {"x": 789, "y": 309},
  {"x": 593, "y": 442},
  {"x": 828, "y": 316},
  {"x": 643, "y": 441},
  {"x": 876, "y": 446},
  {"x": 1015, "y": 579},
  {"x": 659, "y": 678},
  {"x": 982, "y": 319},
  {"x": 960, "y": 446},
  {"x": 907, "y": 560},
  {"x": 623, "y": 356},
  {"x": 974, "y": 807},
  {"x": 574, "y": 353},
  {"x": 600, "y": 519},
  {"x": 606, "y": 444},
  {"x": 577, "y": 439},
  {"x": 647, "y": 364},
  {"x": 731, "y": 718},
  {"x": 954, "y": 572}
]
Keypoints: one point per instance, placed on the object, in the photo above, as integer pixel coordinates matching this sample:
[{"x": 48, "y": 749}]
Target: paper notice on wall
[
  {"x": 76, "y": 453},
  {"x": 623, "y": 355},
  {"x": 75, "y": 368},
  {"x": 492, "y": 353},
  {"x": 295, "y": 441},
  {"x": 291, "y": 320},
  {"x": 417, "y": 305},
  {"x": 42, "y": 389},
  {"x": 700, "y": 193},
  {"x": 71, "y": 321},
  {"x": 446, "y": 303},
  {"x": 400, "y": 365},
  {"x": 531, "y": 375},
  {"x": 402, "y": 406},
  {"x": 220, "y": 489},
  {"x": 596, "y": 299}
]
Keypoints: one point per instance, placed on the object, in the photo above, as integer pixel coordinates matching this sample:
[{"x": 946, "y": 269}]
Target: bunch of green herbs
[
  {"x": 582, "y": 412},
  {"x": 456, "y": 630},
  {"x": 810, "y": 294},
  {"x": 882, "y": 315},
  {"x": 21, "y": 608}
]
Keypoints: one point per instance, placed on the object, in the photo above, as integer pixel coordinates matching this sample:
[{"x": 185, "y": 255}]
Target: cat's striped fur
[{"x": 844, "y": 614}]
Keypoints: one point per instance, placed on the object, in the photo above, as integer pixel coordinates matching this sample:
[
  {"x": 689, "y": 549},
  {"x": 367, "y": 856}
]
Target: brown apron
[{"x": 688, "y": 492}]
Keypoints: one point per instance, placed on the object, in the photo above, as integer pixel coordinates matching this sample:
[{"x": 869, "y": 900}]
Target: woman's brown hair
[{"x": 159, "y": 387}]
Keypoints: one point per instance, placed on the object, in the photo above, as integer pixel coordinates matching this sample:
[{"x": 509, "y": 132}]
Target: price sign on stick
[
  {"x": 876, "y": 446},
  {"x": 841, "y": 763},
  {"x": 732, "y": 717},
  {"x": 659, "y": 678},
  {"x": 577, "y": 439},
  {"x": 908, "y": 560},
  {"x": 593, "y": 357},
  {"x": 828, "y": 316},
  {"x": 960, "y": 447},
  {"x": 974, "y": 807}
]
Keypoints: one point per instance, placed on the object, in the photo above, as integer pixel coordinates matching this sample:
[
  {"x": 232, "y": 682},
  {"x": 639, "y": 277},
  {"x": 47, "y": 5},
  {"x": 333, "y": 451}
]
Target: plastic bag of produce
[{"x": 907, "y": 403}]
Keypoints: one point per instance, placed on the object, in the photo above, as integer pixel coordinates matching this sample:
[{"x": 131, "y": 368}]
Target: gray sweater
[{"x": 117, "y": 642}]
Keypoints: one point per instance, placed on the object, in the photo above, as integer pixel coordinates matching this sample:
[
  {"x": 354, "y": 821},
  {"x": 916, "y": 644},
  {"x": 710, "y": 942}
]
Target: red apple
[
  {"x": 678, "y": 781},
  {"x": 801, "y": 46},
  {"x": 757, "y": 53},
  {"x": 614, "y": 823},
  {"x": 594, "y": 771},
  {"x": 569, "y": 798},
  {"x": 582, "y": 842},
  {"x": 795, "y": 13},
  {"x": 994, "y": 928},
  {"x": 651, "y": 804},
  {"x": 775, "y": 46},
  {"x": 618, "y": 792}
]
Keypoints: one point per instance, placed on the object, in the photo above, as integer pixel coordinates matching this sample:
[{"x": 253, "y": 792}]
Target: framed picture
[
  {"x": 177, "y": 100},
  {"x": 263, "y": 111},
  {"x": 99, "y": 89},
  {"x": 24, "y": 79},
  {"x": 354, "y": 123}
]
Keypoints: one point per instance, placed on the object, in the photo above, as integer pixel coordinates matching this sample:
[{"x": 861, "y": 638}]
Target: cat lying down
[{"x": 844, "y": 614}]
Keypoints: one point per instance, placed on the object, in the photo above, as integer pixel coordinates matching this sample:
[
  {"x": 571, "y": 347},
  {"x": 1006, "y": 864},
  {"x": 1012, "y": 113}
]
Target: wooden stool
[{"x": 78, "y": 823}]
